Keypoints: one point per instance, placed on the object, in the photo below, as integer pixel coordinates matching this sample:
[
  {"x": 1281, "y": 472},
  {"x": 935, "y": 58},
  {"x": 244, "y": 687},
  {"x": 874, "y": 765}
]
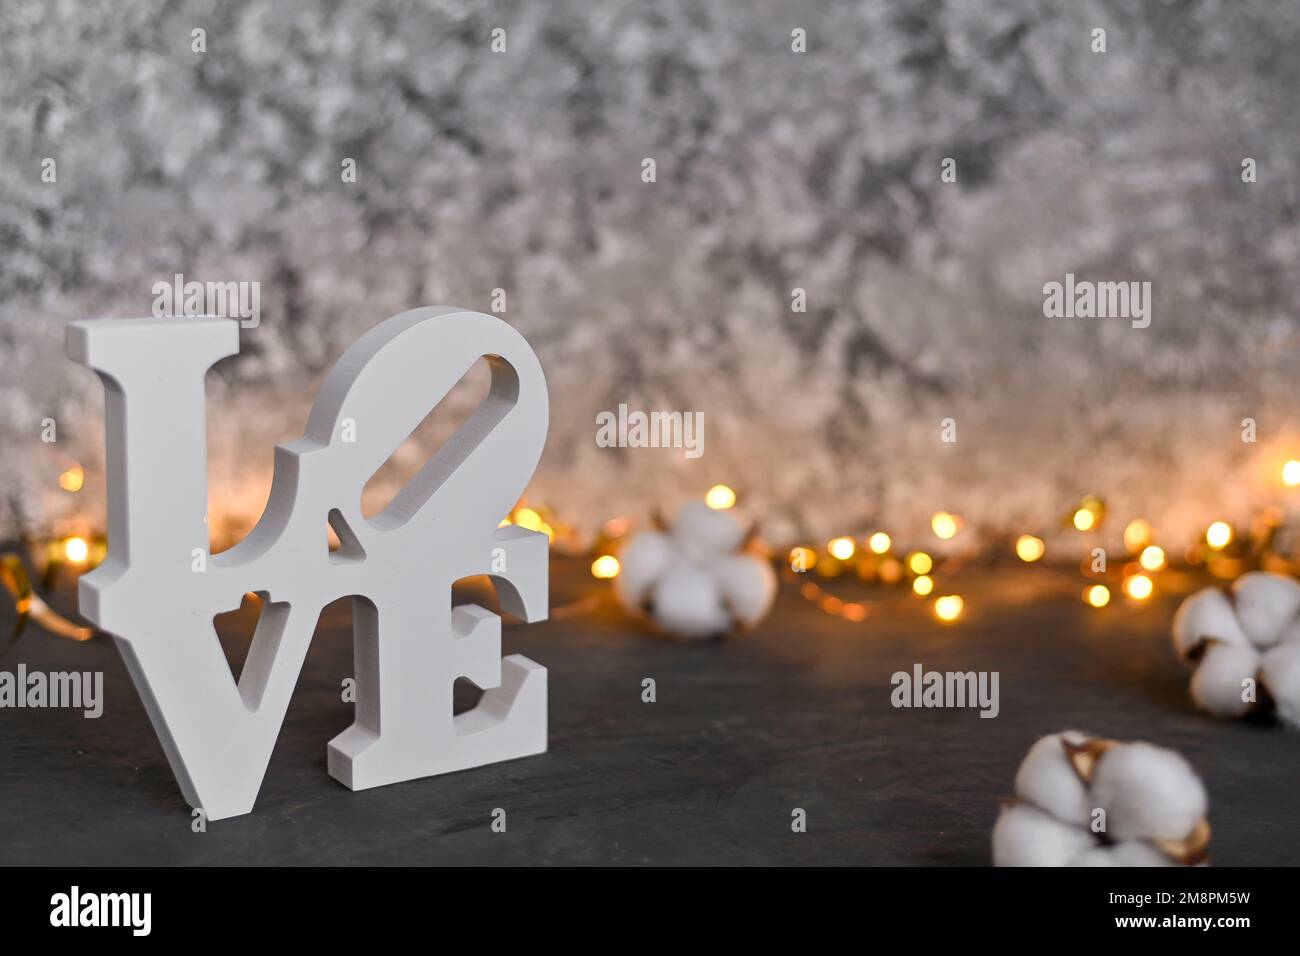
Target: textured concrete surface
[{"x": 797, "y": 714}]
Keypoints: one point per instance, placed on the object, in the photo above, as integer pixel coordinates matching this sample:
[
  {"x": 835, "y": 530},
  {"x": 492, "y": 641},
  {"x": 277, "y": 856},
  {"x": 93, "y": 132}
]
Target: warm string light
[
  {"x": 1137, "y": 535},
  {"x": 76, "y": 550},
  {"x": 875, "y": 562},
  {"x": 1137, "y": 582},
  {"x": 720, "y": 498},
  {"x": 1153, "y": 558},
  {"x": 841, "y": 548},
  {"x": 72, "y": 479},
  {"x": 605, "y": 567},
  {"x": 948, "y": 608},
  {"x": 945, "y": 525},
  {"x": 1218, "y": 535},
  {"x": 1138, "y": 586},
  {"x": 848, "y": 610},
  {"x": 1030, "y": 548},
  {"x": 1098, "y": 595}
]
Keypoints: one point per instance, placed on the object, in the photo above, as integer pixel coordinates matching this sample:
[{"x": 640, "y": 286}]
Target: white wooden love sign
[{"x": 158, "y": 591}]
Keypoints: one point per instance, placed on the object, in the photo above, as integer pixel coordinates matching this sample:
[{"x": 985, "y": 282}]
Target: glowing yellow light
[
  {"x": 72, "y": 479},
  {"x": 948, "y": 607},
  {"x": 1029, "y": 548},
  {"x": 802, "y": 559},
  {"x": 920, "y": 562},
  {"x": 1218, "y": 535},
  {"x": 1084, "y": 519},
  {"x": 528, "y": 518},
  {"x": 923, "y": 585},
  {"x": 1153, "y": 557},
  {"x": 1138, "y": 587},
  {"x": 547, "y": 530},
  {"x": 854, "y": 612},
  {"x": 1098, "y": 595},
  {"x": 503, "y": 522},
  {"x": 841, "y": 548},
  {"x": 879, "y": 543},
  {"x": 945, "y": 525},
  {"x": 76, "y": 550},
  {"x": 1291, "y": 473},
  {"x": 605, "y": 567},
  {"x": 1137, "y": 535},
  {"x": 720, "y": 498}
]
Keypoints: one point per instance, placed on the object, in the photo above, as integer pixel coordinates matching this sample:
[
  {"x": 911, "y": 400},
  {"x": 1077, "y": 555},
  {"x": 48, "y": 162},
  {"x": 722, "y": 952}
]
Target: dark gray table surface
[{"x": 795, "y": 714}]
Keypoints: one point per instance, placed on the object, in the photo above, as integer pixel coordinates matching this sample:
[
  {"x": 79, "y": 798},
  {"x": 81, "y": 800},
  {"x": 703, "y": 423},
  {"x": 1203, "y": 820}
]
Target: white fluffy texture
[
  {"x": 1047, "y": 779},
  {"x": 688, "y": 603},
  {"x": 1217, "y": 685},
  {"x": 692, "y": 579},
  {"x": 1253, "y": 636},
  {"x": 1147, "y": 792},
  {"x": 703, "y": 533},
  {"x": 1280, "y": 673},
  {"x": 643, "y": 561},
  {"x": 1206, "y": 615},
  {"x": 1027, "y": 836},
  {"x": 747, "y": 583},
  {"x": 1266, "y": 605}
]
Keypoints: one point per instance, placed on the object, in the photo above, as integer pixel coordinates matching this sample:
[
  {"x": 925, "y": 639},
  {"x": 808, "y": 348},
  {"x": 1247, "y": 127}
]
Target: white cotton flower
[
  {"x": 1027, "y": 836},
  {"x": 687, "y": 602},
  {"x": 643, "y": 561},
  {"x": 1220, "y": 680},
  {"x": 704, "y": 533},
  {"x": 1266, "y": 604},
  {"x": 747, "y": 583},
  {"x": 691, "y": 579},
  {"x": 1148, "y": 792},
  {"x": 1083, "y": 801},
  {"x": 1206, "y": 615},
  {"x": 1254, "y": 635},
  {"x": 1279, "y": 672},
  {"x": 1048, "y": 779}
]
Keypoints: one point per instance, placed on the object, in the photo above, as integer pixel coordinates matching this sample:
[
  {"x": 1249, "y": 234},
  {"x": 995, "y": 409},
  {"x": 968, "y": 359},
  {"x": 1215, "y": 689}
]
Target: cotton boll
[
  {"x": 1291, "y": 634},
  {"x": 1148, "y": 791},
  {"x": 1027, "y": 836},
  {"x": 1206, "y": 614},
  {"x": 1094, "y": 856},
  {"x": 645, "y": 559},
  {"x": 1217, "y": 684},
  {"x": 1047, "y": 779},
  {"x": 1128, "y": 853},
  {"x": 692, "y": 578},
  {"x": 748, "y": 585},
  {"x": 687, "y": 602},
  {"x": 703, "y": 532},
  {"x": 1279, "y": 671},
  {"x": 1267, "y": 604}
]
